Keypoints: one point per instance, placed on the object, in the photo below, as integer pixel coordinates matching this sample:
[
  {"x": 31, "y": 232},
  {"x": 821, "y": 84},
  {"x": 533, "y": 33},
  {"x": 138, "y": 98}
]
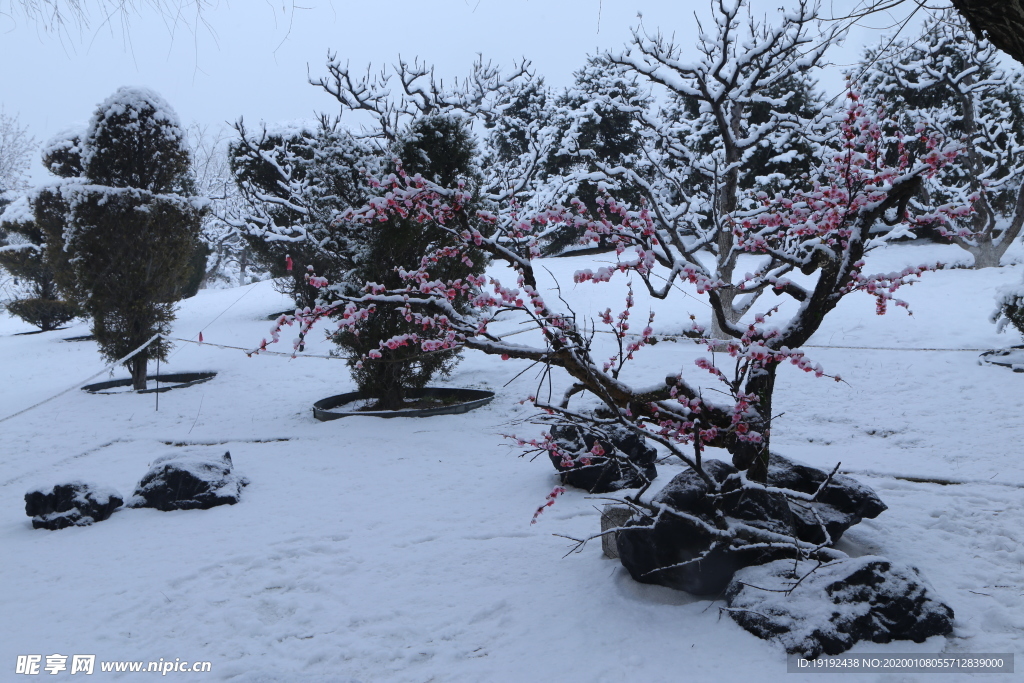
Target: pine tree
[
  {"x": 599, "y": 121},
  {"x": 441, "y": 149},
  {"x": 127, "y": 220},
  {"x": 295, "y": 182},
  {"x": 23, "y": 254}
]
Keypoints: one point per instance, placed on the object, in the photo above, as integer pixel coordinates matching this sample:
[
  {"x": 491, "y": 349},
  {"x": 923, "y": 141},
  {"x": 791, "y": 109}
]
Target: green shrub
[{"x": 46, "y": 314}]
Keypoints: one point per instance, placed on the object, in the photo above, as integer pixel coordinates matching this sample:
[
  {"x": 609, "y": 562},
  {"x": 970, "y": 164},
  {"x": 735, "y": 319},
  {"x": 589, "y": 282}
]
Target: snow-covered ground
[{"x": 402, "y": 550}]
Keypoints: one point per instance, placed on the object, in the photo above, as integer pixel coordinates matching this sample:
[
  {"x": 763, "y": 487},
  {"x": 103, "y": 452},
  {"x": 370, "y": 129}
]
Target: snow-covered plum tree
[
  {"x": 738, "y": 115},
  {"x": 821, "y": 232}
]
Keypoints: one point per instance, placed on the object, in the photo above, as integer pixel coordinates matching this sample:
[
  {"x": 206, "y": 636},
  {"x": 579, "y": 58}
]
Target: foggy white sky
[{"x": 252, "y": 60}]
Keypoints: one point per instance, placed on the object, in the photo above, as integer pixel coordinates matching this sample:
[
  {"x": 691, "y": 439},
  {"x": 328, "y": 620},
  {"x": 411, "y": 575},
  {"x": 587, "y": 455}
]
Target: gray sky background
[{"x": 251, "y": 58}]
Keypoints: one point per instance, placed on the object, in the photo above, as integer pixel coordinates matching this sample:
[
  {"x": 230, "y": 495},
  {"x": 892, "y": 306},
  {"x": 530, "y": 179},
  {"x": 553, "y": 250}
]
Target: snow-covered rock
[
  {"x": 76, "y": 503},
  {"x": 662, "y": 550},
  {"x": 814, "y": 609},
  {"x": 841, "y": 504},
  {"x": 597, "y": 473},
  {"x": 189, "y": 481}
]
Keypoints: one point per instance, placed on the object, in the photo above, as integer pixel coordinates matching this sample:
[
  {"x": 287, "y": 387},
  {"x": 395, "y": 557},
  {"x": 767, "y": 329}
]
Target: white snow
[
  {"x": 18, "y": 211},
  {"x": 402, "y": 550}
]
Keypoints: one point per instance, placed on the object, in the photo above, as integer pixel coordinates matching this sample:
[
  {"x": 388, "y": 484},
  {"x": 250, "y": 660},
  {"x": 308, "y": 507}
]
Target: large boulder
[
  {"x": 680, "y": 550},
  {"x": 817, "y": 609},
  {"x": 602, "y": 474},
  {"x": 840, "y": 505},
  {"x": 671, "y": 551},
  {"x": 189, "y": 481},
  {"x": 676, "y": 550},
  {"x": 73, "y": 504}
]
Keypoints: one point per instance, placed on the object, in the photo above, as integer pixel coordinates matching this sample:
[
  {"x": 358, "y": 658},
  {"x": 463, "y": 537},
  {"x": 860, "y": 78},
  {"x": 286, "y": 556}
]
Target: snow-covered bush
[
  {"x": 441, "y": 149},
  {"x": 295, "y": 180},
  {"x": 1010, "y": 308},
  {"x": 299, "y": 184},
  {"x": 597, "y": 122}
]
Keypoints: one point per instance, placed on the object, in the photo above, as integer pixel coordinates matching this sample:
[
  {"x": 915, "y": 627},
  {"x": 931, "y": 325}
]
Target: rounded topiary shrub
[{"x": 122, "y": 235}]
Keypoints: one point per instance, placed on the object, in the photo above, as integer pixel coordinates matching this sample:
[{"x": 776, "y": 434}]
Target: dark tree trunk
[
  {"x": 137, "y": 366},
  {"x": 243, "y": 265},
  {"x": 387, "y": 384},
  {"x": 1002, "y": 23},
  {"x": 392, "y": 398},
  {"x": 751, "y": 456}
]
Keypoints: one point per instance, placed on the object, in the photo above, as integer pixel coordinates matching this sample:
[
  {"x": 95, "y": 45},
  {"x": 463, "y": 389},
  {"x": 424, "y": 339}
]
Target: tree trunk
[
  {"x": 725, "y": 204},
  {"x": 243, "y": 265},
  {"x": 1001, "y": 22},
  {"x": 137, "y": 366},
  {"x": 385, "y": 383},
  {"x": 393, "y": 398},
  {"x": 753, "y": 456},
  {"x": 986, "y": 255},
  {"x": 725, "y": 269}
]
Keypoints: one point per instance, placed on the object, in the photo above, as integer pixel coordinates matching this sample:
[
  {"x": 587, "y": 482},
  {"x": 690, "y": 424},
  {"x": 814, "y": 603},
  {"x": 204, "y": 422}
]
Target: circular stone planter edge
[
  {"x": 176, "y": 380},
  {"x": 471, "y": 399},
  {"x": 991, "y": 358}
]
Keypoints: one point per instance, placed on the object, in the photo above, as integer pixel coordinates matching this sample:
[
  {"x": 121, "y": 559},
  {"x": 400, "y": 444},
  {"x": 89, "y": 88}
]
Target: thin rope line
[
  {"x": 245, "y": 294},
  {"x": 82, "y": 382},
  {"x": 675, "y": 338},
  {"x": 260, "y": 352}
]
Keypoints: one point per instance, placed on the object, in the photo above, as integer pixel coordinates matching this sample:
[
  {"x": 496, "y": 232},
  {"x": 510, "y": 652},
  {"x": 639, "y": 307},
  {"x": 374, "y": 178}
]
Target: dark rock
[
  {"x": 687, "y": 491},
  {"x": 760, "y": 509},
  {"x": 664, "y": 550},
  {"x": 604, "y": 474},
  {"x": 814, "y": 610},
  {"x": 72, "y": 504},
  {"x": 189, "y": 481},
  {"x": 843, "y": 503}
]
